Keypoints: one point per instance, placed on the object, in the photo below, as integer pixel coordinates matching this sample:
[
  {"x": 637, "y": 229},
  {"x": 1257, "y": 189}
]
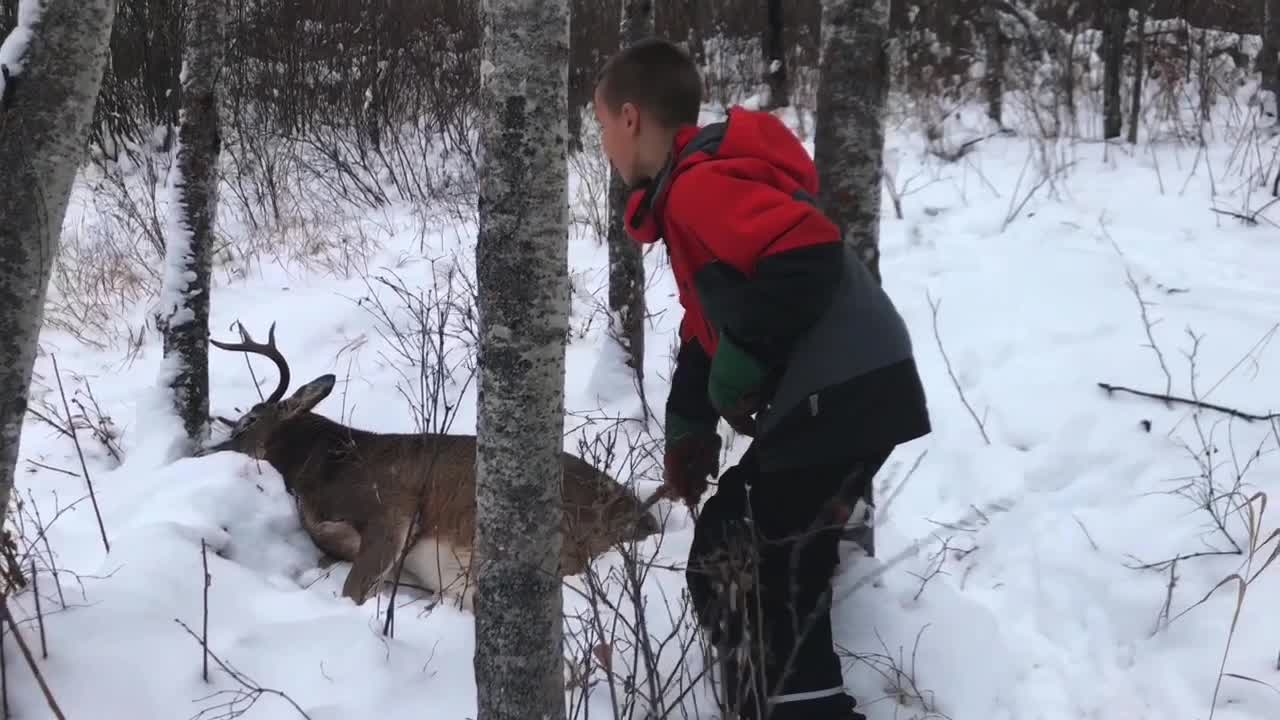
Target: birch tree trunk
[
  {"x": 775, "y": 57},
  {"x": 189, "y": 236},
  {"x": 1115, "y": 24},
  {"x": 522, "y": 274},
  {"x": 626, "y": 264},
  {"x": 848, "y": 138},
  {"x": 52, "y": 66}
]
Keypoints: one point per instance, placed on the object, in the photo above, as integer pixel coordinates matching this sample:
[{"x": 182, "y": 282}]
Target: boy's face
[{"x": 620, "y": 137}]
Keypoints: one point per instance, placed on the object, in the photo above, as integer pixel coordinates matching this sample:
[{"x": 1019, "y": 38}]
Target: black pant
[{"x": 765, "y": 548}]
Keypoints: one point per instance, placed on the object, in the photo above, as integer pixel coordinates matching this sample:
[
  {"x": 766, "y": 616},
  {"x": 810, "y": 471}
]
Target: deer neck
[{"x": 298, "y": 450}]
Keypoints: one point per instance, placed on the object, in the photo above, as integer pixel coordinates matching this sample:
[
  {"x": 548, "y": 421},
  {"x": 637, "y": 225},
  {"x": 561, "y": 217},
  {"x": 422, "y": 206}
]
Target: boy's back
[{"x": 761, "y": 269}]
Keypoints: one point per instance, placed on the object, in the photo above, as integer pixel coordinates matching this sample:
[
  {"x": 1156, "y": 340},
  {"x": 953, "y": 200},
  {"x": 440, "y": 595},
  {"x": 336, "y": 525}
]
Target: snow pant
[{"x": 764, "y": 551}]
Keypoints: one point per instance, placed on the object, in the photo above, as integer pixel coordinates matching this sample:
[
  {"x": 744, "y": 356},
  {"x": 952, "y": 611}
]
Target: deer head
[{"x": 250, "y": 433}]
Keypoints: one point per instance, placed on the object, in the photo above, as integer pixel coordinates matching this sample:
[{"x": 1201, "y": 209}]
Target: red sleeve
[{"x": 738, "y": 219}]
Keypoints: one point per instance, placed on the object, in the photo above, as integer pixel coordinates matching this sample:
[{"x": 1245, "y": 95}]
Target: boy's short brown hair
[{"x": 657, "y": 76}]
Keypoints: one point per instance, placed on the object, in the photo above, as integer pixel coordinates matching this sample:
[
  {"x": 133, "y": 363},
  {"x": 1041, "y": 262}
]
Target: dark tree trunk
[
  {"x": 522, "y": 277},
  {"x": 189, "y": 242},
  {"x": 1269, "y": 57},
  {"x": 626, "y": 264},
  {"x": 46, "y": 105},
  {"x": 1115, "y": 23},
  {"x": 994, "y": 75},
  {"x": 775, "y": 58},
  {"x": 1139, "y": 71},
  {"x": 848, "y": 127}
]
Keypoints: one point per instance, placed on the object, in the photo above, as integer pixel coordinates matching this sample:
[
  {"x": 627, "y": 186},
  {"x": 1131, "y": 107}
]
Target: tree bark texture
[
  {"x": 993, "y": 80},
  {"x": 775, "y": 57},
  {"x": 185, "y": 314},
  {"x": 848, "y": 124},
  {"x": 1139, "y": 71},
  {"x": 522, "y": 274},
  {"x": 1115, "y": 24},
  {"x": 45, "y": 108},
  {"x": 626, "y": 263},
  {"x": 1269, "y": 57}
]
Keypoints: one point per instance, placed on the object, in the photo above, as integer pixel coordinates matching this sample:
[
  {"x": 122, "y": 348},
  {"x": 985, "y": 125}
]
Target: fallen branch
[
  {"x": 204, "y": 630},
  {"x": 1248, "y": 417},
  {"x": 242, "y": 700},
  {"x": 1250, "y": 219},
  {"x": 958, "y": 153},
  {"x": 80, "y": 452},
  {"x": 1147, "y": 323},
  {"x": 31, "y": 660},
  {"x": 954, "y": 380},
  {"x": 35, "y": 593}
]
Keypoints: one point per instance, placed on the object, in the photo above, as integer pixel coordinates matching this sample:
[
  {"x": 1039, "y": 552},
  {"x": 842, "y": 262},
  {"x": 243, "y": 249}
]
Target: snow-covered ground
[{"x": 1008, "y": 585}]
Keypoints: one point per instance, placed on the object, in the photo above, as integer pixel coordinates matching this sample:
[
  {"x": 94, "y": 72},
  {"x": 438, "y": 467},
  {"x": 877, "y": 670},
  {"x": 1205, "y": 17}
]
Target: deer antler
[{"x": 269, "y": 351}]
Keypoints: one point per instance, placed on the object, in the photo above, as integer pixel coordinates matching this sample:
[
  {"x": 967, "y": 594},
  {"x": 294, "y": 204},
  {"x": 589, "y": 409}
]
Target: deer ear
[{"x": 309, "y": 395}]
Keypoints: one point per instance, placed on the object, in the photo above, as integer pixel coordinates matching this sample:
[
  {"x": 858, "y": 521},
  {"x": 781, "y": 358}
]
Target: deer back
[{"x": 340, "y": 473}]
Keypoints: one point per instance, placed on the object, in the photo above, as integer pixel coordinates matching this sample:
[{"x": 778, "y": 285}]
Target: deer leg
[
  {"x": 336, "y": 538},
  {"x": 380, "y": 546}
]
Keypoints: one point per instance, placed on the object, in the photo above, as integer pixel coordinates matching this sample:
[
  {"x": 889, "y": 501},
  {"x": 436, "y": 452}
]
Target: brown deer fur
[{"x": 358, "y": 492}]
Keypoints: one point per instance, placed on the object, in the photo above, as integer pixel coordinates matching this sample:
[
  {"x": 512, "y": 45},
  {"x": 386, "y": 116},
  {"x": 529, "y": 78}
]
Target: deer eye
[{"x": 244, "y": 423}]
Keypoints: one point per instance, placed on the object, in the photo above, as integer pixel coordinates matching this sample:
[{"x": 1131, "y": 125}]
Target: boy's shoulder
[{"x": 751, "y": 146}]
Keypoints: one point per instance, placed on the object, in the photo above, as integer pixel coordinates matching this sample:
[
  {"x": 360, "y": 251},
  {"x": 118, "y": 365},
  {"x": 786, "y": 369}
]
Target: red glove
[{"x": 687, "y": 463}]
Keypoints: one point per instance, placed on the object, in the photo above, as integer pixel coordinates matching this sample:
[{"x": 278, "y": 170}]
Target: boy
[{"x": 787, "y": 337}]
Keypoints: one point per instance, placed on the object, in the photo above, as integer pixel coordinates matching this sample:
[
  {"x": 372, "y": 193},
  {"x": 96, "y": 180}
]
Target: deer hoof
[{"x": 357, "y": 588}]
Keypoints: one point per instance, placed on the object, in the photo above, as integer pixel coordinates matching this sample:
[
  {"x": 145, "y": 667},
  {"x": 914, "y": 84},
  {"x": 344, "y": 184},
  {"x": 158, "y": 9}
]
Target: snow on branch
[{"x": 13, "y": 50}]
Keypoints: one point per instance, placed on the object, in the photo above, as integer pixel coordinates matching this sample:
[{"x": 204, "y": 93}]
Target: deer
[{"x": 365, "y": 497}]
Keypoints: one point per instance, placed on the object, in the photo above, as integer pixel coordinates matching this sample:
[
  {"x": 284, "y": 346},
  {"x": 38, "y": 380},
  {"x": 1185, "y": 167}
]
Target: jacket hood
[{"x": 755, "y": 143}]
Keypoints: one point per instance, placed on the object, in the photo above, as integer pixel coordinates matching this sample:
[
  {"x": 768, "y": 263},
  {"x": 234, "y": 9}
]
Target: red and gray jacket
[{"x": 754, "y": 258}]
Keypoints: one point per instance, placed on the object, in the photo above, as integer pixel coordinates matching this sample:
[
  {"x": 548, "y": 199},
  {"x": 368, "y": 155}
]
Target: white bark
[
  {"x": 58, "y": 54},
  {"x": 522, "y": 273},
  {"x": 848, "y": 127},
  {"x": 184, "y": 304}
]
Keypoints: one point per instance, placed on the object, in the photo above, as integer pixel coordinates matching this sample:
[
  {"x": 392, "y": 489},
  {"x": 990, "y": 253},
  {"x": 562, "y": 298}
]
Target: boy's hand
[
  {"x": 741, "y": 417},
  {"x": 733, "y": 384},
  {"x": 692, "y": 454}
]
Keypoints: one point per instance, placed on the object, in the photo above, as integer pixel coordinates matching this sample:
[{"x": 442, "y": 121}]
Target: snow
[
  {"x": 13, "y": 48},
  {"x": 1034, "y": 612},
  {"x": 177, "y": 237}
]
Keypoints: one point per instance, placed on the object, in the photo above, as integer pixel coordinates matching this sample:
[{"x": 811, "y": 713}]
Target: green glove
[{"x": 735, "y": 380}]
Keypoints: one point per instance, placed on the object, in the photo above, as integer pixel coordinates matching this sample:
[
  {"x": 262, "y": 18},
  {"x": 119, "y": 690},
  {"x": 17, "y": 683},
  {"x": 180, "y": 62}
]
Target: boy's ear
[{"x": 630, "y": 117}]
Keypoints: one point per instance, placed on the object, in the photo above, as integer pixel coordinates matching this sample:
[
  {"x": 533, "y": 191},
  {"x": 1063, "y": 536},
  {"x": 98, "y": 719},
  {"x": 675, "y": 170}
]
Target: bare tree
[
  {"x": 189, "y": 240},
  {"x": 775, "y": 58},
  {"x": 626, "y": 264},
  {"x": 1115, "y": 23},
  {"x": 52, "y": 68},
  {"x": 523, "y": 308},
  {"x": 1269, "y": 57},
  {"x": 993, "y": 78},
  {"x": 1139, "y": 70},
  {"x": 848, "y": 125}
]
